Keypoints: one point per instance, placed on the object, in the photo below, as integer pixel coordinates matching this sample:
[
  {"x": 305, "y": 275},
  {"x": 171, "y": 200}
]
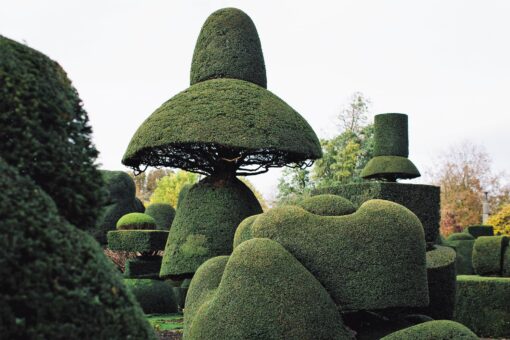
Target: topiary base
[
  {"x": 423, "y": 200},
  {"x": 482, "y": 305},
  {"x": 205, "y": 224}
]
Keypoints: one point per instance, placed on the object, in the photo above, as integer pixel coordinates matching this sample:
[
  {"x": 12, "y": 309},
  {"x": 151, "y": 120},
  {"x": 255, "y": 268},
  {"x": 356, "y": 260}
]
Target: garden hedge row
[
  {"x": 264, "y": 293},
  {"x": 371, "y": 259},
  {"x": 137, "y": 240},
  {"x": 482, "y": 305},
  {"x": 423, "y": 200},
  {"x": 327, "y": 205},
  {"x": 154, "y": 296}
]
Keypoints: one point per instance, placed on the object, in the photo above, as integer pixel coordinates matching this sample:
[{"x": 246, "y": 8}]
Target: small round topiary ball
[{"x": 136, "y": 221}]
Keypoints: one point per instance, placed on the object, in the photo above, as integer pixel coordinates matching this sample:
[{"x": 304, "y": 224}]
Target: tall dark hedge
[
  {"x": 205, "y": 224},
  {"x": 56, "y": 282},
  {"x": 423, "y": 200},
  {"x": 45, "y": 132},
  {"x": 228, "y": 47}
]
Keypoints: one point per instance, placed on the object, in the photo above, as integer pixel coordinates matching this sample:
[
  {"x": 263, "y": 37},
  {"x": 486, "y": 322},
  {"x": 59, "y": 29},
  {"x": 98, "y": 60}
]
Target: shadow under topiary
[
  {"x": 45, "y": 132},
  {"x": 260, "y": 292},
  {"x": 162, "y": 213},
  {"x": 56, "y": 281},
  {"x": 371, "y": 259},
  {"x": 437, "y": 330}
]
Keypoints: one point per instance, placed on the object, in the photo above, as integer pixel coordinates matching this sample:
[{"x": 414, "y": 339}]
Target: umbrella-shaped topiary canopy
[{"x": 226, "y": 122}]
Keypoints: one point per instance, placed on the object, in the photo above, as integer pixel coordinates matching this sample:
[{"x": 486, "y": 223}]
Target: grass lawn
[{"x": 167, "y": 326}]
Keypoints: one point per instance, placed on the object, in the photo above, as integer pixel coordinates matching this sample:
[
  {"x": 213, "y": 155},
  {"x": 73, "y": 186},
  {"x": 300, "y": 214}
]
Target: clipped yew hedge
[
  {"x": 162, "y": 213},
  {"x": 137, "y": 240},
  {"x": 327, "y": 205},
  {"x": 434, "y": 330}
]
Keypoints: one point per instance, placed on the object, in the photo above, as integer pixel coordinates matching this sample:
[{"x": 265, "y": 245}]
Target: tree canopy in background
[
  {"x": 344, "y": 156},
  {"x": 168, "y": 187},
  {"x": 501, "y": 221},
  {"x": 464, "y": 174},
  {"x": 146, "y": 182}
]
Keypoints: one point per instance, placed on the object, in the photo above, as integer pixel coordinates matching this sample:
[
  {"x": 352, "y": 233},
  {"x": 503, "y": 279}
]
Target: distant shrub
[
  {"x": 154, "y": 296},
  {"x": 162, "y": 213}
]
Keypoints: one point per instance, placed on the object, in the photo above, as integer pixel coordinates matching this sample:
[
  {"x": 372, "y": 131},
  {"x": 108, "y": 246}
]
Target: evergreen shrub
[
  {"x": 358, "y": 258},
  {"x": 423, "y": 200},
  {"x": 487, "y": 254},
  {"x": 56, "y": 281},
  {"x": 162, "y": 213},
  {"x": 136, "y": 221},
  {"x": 327, "y": 205},
  {"x": 137, "y": 240},
  {"x": 263, "y": 293},
  {"x": 434, "y": 330},
  {"x": 154, "y": 296}
]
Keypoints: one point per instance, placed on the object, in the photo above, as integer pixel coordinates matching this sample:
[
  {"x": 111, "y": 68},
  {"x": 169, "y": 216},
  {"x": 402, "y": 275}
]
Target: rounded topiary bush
[
  {"x": 154, "y": 296},
  {"x": 327, "y": 205},
  {"x": 205, "y": 224},
  {"x": 162, "y": 213},
  {"x": 136, "y": 221},
  {"x": 260, "y": 292},
  {"x": 437, "y": 330},
  {"x": 488, "y": 254},
  {"x": 56, "y": 281},
  {"x": 45, "y": 132}
]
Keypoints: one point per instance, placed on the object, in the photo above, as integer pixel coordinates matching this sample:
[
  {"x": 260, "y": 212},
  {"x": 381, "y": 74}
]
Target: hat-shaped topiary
[
  {"x": 136, "y": 221},
  {"x": 391, "y": 149},
  {"x": 224, "y": 125}
]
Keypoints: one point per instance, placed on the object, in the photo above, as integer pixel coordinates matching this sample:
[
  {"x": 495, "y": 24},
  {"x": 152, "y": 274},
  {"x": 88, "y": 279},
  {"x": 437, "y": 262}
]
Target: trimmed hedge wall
[
  {"x": 143, "y": 267},
  {"x": 154, "y": 296},
  {"x": 162, "y": 213},
  {"x": 482, "y": 305},
  {"x": 205, "y": 224},
  {"x": 136, "y": 221},
  {"x": 423, "y": 200},
  {"x": 434, "y": 330},
  {"x": 327, "y": 205},
  {"x": 441, "y": 277},
  {"x": 371, "y": 259},
  {"x": 45, "y": 132},
  {"x": 264, "y": 293},
  {"x": 480, "y": 230},
  {"x": 488, "y": 254},
  {"x": 228, "y": 47},
  {"x": 137, "y": 240},
  {"x": 56, "y": 281}
]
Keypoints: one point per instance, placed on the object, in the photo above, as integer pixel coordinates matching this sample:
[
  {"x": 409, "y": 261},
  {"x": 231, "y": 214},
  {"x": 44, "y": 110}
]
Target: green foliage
[
  {"x": 463, "y": 245},
  {"x": 205, "y": 224},
  {"x": 136, "y": 221},
  {"x": 168, "y": 187},
  {"x": 436, "y": 330},
  {"x": 423, "y": 200},
  {"x": 162, "y": 213},
  {"x": 327, "y": 205},
  {"x": 137, "y": 240},
  {"x": 391, "y": 135},
  {"x": 441, "y": 278},
  {"x": 120, "y": 200},
  {"x": 56, "y": 281},
  {"x": 146, "y": 182},
  {"x": 482, "y": 305},
  {"x": 390, "y": 168},
  {"x": 166, "y": 322},
  {"x": 487, "y": 254},
  {"x": 154, "y": 296},
  {"x": 231, "y": 117},
  {"x": 359, "y": 258},
  {"x": 184, "y": 191},
  {"x": 262, "y": 293},
  {"x": 293, "y": 184},
  {"x": 501, "y": 221},
  {"x": 143, "y": 267},
  {"x": 480, "y": 230},
  {"x": 45, "y": 132},
  {"x": 228, "y": 47}
]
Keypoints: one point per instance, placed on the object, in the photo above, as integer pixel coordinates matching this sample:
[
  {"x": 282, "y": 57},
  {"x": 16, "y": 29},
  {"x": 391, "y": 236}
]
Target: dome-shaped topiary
[
  {"x": 260, "y": 292},
  {"x": 228, "y": 47},
  {"x": 45, "y": 132},
  {"x": 205, "y": 224},
  {"x": 327, "y": 205},
  {"x": 437, "y": 330},
  {"x": 136, "y": 221},
  {"x": 371, "y": 259},
  {"x": 162, "y": 213},
  {"x": 56, "y": 281}
]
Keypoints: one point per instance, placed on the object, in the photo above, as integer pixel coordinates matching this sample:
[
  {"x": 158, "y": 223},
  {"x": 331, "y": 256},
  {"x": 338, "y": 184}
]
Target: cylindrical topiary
[
  {"x": 136, "y": 221},
  {"x": 391, "y": 148},
  {"x": 45, "y": 132},
  {"x": 224, "y": 125},
  {"x": 56, "y": 282},
  {"x": 162, "y": 213}
]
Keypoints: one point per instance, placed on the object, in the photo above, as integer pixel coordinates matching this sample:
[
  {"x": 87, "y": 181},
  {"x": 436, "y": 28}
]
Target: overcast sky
[{"x": 444, "y": 63}]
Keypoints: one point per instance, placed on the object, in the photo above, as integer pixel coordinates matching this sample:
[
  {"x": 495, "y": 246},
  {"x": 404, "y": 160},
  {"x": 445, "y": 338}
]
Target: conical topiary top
[
  {"x": 226, "y": 122},
  {"x": 228, "y": 47},
  {"x": 391, "y": 148}
]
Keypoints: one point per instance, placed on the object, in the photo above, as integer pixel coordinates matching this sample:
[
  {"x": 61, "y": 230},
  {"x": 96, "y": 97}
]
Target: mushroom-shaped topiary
[
  {"x": 162, "y": 213},
  {"x": 391, "y": 149},
  {"x": 136, "y": 221},
  {"x": 225, "y": 124}
]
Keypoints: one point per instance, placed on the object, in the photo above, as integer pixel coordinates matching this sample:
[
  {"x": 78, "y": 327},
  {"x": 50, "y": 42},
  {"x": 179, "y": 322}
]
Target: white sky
[{"x": 444, "y": 63}]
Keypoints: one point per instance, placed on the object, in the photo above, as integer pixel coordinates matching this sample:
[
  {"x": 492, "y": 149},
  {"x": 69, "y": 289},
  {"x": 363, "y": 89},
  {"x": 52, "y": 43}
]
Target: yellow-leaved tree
[
  {"x": 168, "y": 187},
  {"x": 501, "y": 221}
]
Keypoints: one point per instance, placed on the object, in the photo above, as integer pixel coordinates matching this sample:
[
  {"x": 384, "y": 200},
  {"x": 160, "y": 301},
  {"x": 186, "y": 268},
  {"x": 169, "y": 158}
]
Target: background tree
[
  {"x": 146, "y": 182},
  {"x": 168, "y": 187},
  {"x": 501, "y": 221},
  {"x": 292, "y": 184},
  {"x": 464, "y": 173}
]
